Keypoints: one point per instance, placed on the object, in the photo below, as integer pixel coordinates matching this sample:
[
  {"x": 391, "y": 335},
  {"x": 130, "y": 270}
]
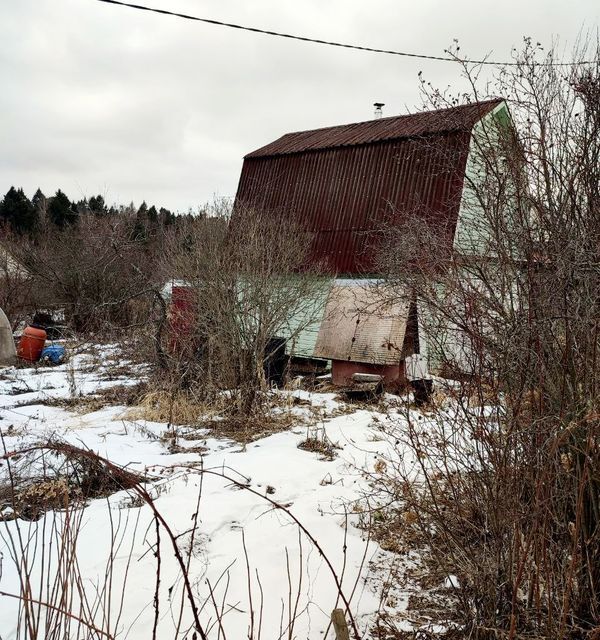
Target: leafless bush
[
  {"x": 16, "y": 285},
  {"x": 43, "y": 518},
  {"x": 95, "y": 271},
  {"x": 250, "y": 284},
  {"x": 505, "y": 484},
  {"x": 57, "y": 599}
]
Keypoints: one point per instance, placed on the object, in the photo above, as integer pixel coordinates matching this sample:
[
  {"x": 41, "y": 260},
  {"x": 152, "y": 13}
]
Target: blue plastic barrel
[{"x": 54, "y": 354}]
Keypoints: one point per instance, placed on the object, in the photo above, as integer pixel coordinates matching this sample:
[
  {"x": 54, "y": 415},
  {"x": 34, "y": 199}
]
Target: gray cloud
[{"x": 137, "y": 106}]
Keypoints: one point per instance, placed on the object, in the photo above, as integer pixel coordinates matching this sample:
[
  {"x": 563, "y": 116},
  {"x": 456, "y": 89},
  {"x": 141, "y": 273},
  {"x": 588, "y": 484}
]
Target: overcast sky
[{"x": 96, "y": 98}]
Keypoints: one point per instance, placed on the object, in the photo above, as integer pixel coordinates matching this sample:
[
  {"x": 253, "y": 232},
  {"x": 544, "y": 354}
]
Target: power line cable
[{"x": 329, "y": 43}]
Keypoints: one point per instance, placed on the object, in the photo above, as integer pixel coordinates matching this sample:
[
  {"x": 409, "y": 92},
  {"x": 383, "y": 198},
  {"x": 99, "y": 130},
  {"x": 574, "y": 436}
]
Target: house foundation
[{"x": 343, "y": 370}]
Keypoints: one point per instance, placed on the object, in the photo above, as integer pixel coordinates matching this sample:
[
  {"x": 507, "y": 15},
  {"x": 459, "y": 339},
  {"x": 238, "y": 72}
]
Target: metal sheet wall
[{"x": 360, "y": 325}]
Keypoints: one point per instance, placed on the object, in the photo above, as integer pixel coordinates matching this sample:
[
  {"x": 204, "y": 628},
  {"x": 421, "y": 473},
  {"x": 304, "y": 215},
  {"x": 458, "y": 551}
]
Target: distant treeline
[
  {"x": 24, "y": 217},
  {"x": 103, "y": 266}
]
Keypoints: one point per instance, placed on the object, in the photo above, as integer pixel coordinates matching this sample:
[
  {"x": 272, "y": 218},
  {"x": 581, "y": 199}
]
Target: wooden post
[{"x": 339, "y": 625}]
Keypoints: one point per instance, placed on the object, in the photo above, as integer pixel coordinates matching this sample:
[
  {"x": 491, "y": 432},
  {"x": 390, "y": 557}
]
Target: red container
[
  {"x": 31, "y": 344},
  {"x": 183, "y": 318}
]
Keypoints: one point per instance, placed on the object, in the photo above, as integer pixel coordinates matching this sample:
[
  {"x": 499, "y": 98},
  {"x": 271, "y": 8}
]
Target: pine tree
[
  {"x": 97, "y": 205},
  {"x": 17, "y": 212},
  {"x": 139, "y": 232},
  {"x": 153, "y": 216},
  {"x": 60, "y": 210},
  {"x": 166, "y": 216},
  {"x": 40, "y": 207},
  {"x": 143, "y": 210},
  {"x": 39, "y": 202},
  {"x": 152, "y": 222},
  {"x": 82, "y": 207}
]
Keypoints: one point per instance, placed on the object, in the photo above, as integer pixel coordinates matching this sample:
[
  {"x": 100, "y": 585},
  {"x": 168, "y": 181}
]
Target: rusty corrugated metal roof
[
  {"x": 345, "y": 196},
  {"x": 346, "y": 184},
  {"x": 459, "y": 118}
]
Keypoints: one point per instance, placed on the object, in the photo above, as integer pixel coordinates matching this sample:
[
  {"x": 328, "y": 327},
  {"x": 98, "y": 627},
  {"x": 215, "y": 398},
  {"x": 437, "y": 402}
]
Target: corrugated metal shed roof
[
  {"x": 360, "y": 325},
  {"x": 459, "y": 118},
  {"x": 346, "y": 184}
]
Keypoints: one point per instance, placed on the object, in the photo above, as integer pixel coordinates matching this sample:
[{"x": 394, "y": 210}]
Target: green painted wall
[
  {"x": 472, "y": 238},
  {"x": 302, "y": 327},
  {"x": 472, "y": 231}
]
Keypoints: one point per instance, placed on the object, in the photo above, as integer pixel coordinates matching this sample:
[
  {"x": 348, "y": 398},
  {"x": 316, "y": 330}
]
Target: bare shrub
[
  {"x": 249, "y": 278},
  {"x": 95, "y": 270},
  {"x": 43, "y": 491},
  {"x": 504, "y": 478},
  {"x": 57, "y": 599},
  {"x": 16, "y": 286}
]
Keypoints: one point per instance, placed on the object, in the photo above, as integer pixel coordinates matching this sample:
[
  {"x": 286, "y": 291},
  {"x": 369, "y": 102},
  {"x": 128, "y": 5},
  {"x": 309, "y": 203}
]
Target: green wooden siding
[{"x": 472, "y": 230}]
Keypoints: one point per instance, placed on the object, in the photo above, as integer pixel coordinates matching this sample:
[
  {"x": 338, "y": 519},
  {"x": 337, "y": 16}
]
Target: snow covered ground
[{"x": 247, "y": 559}]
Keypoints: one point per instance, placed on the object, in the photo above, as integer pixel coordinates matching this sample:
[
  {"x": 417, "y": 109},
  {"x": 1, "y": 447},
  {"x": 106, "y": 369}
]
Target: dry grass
[
  {"x": 72, "y": 476},
  {"x": 177, "y": 448},
  {"x": 321, "y": 445},
  {"x": 215, "y": 418},
  {"x": 40, "y": 496},
  {"x": 121, "y": 395},
  {"x": 174, "y": 407},
  {"x": 250, "y": 429}
]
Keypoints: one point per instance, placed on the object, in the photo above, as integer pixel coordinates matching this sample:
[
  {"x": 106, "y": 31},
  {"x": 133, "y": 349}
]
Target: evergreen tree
[
  {"x": 142, "y": 212},
  {"x": 60, "y": 210},
  {"x": 153, "y": 216},
  {"x": 139, "y": 232},
  {"x": 82, "y": 207},
  {"x": 39, "y": 203},
  {"x": 167, "y": 218},
  {"x": 17, "y": 212},
  {"x": 152, "y": 222},
  {"x": 97, "y": 205},
  {"x": 40, "y": 206}
]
